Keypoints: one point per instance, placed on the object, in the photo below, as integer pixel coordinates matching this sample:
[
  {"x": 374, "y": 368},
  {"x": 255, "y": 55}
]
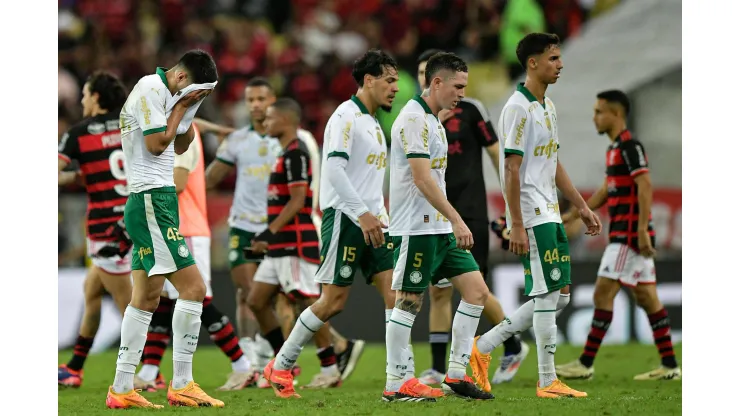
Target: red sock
[
  {"x": 158, "y": 336},
  {"x": 221, "y": 330},
  {"x": 661, "y": 326},
  {"x": 82, "y": 347},
  {"x": 599, "y": 326},
  {"x": 327, "y": 356}
]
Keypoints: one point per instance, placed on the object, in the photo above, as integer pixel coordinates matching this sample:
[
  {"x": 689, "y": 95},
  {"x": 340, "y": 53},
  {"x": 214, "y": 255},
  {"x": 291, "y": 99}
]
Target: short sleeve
[
  {"x": 68, "y": 147},
  {"x": 414, "y": 134},
  {"x": 226, "y": 152},
  {"x": 339, "y": 137},
  {"x": 296, "y": 165},
  {"x": 515, "y": 128},
  {"x": 189, "y": 159},
  {"x": 150, "y": 111},
  {"x": 634, "y": 156},
  {"x": 480, "y": 124}
]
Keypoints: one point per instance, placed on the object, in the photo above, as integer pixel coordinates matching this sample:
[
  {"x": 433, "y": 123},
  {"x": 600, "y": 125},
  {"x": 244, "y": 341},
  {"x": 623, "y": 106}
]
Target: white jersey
[
  {"x": 531, "y": 131},
  {"x": 416, "y": 133},
  {"x": 145, "y": 113},
  {"x": 253, "y": 155},
  {"x": 355, "y": 135}
]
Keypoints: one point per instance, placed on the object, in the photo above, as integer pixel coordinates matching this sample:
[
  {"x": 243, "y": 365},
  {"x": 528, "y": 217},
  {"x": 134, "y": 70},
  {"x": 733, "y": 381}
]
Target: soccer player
[
  {"x": 468, "y": 129},
  {"x": 253, "y": 153},
  {"x": 191, "y": 190},
  {"x": 628, "y": 259},
  {"x": 531, "y": 174},
  {"x": 429, "y": 237},
  {"x": 156, "y": 123},
  {"x": 96, "y": 144},
  {"x": 354, "y": 233}
]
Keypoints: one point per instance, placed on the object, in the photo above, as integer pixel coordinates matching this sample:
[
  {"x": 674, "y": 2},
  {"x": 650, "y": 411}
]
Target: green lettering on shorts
[
  {"x": 152, "y": 222},
  {"x": 343, "y": 251},
  {"x": 547, "y": 265},
  {"x": 238, "y": 240},
  {"x": 429, "y": 258}
]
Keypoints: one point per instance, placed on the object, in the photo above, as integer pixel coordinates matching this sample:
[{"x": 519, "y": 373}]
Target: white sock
[
  {"x": 563, "y": 301},
  {"x": 305, "y": 327},
  {"x": 397, "y": 336},
  {"x": 518, "y": 322},
  {"x": 545, "y": 332},
  {"x": 410, "y": 366},
  {"x": 133, "y": 337},
  {"x": 241, "y": 365},
  {"x": 148, "y": 372},
  {"x": 464, "y": 325},
  {"x": 185, "y": 330}
]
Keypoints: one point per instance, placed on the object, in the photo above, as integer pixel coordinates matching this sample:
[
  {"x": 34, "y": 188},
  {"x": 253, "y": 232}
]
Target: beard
[{"x": 386, "y": 108}]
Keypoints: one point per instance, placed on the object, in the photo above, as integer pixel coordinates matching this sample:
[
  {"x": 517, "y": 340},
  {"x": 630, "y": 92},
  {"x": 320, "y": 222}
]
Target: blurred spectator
[{"x": 521, "y": 17}]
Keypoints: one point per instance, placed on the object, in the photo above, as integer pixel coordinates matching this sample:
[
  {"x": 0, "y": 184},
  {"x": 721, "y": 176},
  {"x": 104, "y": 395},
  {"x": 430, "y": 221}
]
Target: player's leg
[
  {"x": 613, "y": 270},
  {"x": 70, "y": 374},
  {"x": 243, "y": 267},
  {"x": 440, "y": 324},
  {"x": 149, "y": 378},
  {"x": 413, "y": 260},
  {"x": 264, "y": 288},
  {"x": 462, "y": 270},
  {"x": 646, "y": 296},
  {"x": 286, "y": 313}
]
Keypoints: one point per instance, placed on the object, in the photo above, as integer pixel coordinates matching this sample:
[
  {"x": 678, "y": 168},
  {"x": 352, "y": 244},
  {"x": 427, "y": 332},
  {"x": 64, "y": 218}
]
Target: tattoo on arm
[{"x": 410, "y": 303}]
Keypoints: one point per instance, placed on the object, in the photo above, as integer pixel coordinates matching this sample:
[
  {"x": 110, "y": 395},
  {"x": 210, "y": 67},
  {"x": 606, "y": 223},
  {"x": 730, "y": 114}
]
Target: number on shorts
[
  {"x": 417, "y": 259},
  {"x": 349, "y": 254},
  {"x": 552, "y": 256},
  {"x": 234, "y": 242},
  {"x": 173, "y": 234},
  {"x": 116, "y": 162}
]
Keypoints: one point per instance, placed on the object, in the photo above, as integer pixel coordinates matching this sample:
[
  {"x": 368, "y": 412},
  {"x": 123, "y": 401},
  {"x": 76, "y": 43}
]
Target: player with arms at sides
[
  {"x": 290, "y": 241},
  {"x": 354, "y": 223},
  {"x": 468, "y": 129},
  {"x": 156, "y": 123},
  {"x": 628, "y": 259},
  {"x": 190, "y": 185},
  {"x": 252, "y": 152},
  {"x": 430, "y": 239},
  {"x": 531, "y": 175},
  {"x": 95, "y": 144}
]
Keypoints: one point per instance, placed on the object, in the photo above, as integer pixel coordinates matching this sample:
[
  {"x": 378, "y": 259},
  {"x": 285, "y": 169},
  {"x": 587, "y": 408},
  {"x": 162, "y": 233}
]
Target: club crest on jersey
[
  {"x": 547, "y": 122},
  {"x": 380, "y": 136},
  {"x": 262, "y": 150}
]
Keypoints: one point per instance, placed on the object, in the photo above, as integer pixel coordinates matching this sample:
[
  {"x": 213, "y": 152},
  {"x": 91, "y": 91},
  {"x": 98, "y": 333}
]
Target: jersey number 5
[{"x": 116, "y": 169}]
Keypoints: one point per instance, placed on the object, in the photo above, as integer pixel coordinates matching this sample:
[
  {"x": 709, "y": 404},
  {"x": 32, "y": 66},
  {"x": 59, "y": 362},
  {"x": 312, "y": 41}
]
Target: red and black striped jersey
[
  {"x": 298, "y": 237},
  {"x": 95, "y": 144},
  {"x": 625, "y": 159}
]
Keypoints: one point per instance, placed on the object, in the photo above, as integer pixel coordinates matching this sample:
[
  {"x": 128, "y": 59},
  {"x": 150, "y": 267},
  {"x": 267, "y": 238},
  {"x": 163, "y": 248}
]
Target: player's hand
[
  {"x": 644, "y": 244},
  {"x": 258, "y": 247},
  {"x": 498, "y": 226},
  {"x": 372, "y": 229},
  {"x": 592, "y": 221},
  {"x": 193, "y": 98},
  {"x": 445, "y": 115},
  {"x": 518, "y": 240},
  {"x": 463, "y": 236}
]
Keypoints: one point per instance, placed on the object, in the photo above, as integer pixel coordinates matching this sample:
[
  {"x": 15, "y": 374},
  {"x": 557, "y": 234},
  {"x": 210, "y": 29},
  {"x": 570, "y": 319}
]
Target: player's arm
[
  {"x": 159, "y": 131},
  {"x": 596, "y": 201},
  {"x": 483, "y": 131},
  {"x": 206, "y": 126},
  {"x": 223, "y": 164},
  {"x": 182, "y": 141},
  {"x": 563, "y": 182},
  {"x": 184, "y": 164},
  {"x": 634, "y": 156},
  {"x": 68, "y": 150},
  {"x": 339, "y": 148}
]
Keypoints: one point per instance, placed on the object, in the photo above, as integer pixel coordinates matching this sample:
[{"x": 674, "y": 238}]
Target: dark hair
[
  {"x": 616, "y": 96},
  {"x": 427, "y": 54},
  {"x": 200, "y": 66},
  {"x": 111, "y": 92},
  {"x": 443, "y": 61},
  {"x": 371, "y": 62},
  {"x": 260, "y": 82},
  {"x": 288, "y": 105},
  {"x": 535, "y": 44}
]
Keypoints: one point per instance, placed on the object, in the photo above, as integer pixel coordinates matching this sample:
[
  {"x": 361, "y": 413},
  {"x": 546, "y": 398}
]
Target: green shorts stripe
[
  {"x": 152, "y": 222},
  {"x": 547, "y": 265}
]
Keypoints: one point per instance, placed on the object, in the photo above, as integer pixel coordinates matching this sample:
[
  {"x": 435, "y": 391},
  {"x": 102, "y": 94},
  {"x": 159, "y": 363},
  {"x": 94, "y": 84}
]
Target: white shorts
[
  {"x": 200, "y": 249},
  {"x": 622, "y": 263},
  {"x": 111, "y": 265},
  {"x": 292, "y": 274},
  {"x": 443, "y": 283}
]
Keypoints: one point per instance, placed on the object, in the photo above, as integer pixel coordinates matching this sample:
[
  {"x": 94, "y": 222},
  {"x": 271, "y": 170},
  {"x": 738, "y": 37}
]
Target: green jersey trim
[
  {"x": 417, "y": 156},
  {"x": 522, "y": 89},
  {"x": 156, "y": 130},
  {"x": 513, "y": 152},
  {"x": 225, "y": 161},
  {"x": 423, "y": 104},
  {"x": 359, "y": 103},
  {"x": 338, "y": 154},
  {"x": 160, "y": 71}
]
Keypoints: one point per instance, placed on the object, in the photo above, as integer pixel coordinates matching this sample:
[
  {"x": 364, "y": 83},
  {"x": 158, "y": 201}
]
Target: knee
[
  {"x": 647, "y": 300},
  {"x": 603, "y": 298},
  {"x": 195, "y": 292},
  {"x": 255, "y": 303},
  {"x": 241, "y": 296},
  {"x": 332, "y": 302},
  {"x": 409, "y": 302},
  {"x": 439, "y": 296}
]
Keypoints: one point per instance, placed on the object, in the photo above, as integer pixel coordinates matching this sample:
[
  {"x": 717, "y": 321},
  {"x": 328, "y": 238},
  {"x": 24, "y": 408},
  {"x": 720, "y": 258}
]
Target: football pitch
[{"x": 611, "y": 392}]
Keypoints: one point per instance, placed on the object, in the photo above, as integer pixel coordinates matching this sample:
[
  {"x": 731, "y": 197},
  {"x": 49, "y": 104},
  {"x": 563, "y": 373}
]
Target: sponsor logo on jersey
[
  {"x": 546, "y": 150},
  {"x": 146, "y": 112},
  {"x": 520, "y": 131},
  {"x": 439, "y": 163},
  {"x": 379, "y": 160}
]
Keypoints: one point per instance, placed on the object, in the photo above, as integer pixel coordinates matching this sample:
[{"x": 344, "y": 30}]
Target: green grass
[{"x": 611, "y": 392}]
